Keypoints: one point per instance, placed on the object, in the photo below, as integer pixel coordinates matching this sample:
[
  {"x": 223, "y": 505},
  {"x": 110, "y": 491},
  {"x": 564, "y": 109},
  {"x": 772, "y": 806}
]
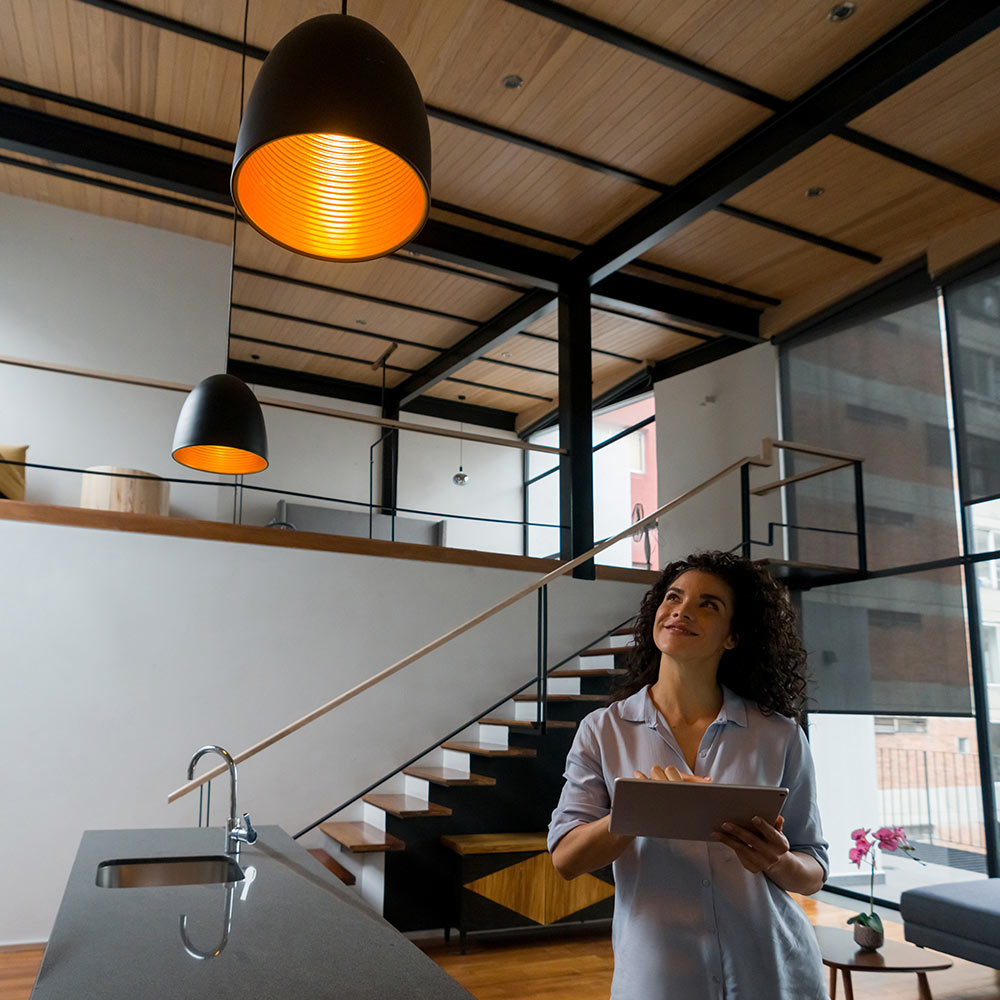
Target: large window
[
  {"x": 896, "y": 703},
  {"x": 625, "y": 485}
]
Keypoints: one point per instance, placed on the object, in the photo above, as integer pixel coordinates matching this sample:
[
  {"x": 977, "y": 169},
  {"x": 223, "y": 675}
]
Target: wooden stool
[{"x": 138, "y": 496}]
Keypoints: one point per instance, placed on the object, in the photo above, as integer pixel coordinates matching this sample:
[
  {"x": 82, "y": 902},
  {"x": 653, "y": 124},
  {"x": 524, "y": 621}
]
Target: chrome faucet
[{"x": 237, "y": 831}]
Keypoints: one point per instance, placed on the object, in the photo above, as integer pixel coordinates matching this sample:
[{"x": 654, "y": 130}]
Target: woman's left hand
[{"x": 759, "y": 848}]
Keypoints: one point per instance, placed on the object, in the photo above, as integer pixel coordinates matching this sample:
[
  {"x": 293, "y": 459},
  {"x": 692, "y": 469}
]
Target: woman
[{"x": 715, "y": 680}]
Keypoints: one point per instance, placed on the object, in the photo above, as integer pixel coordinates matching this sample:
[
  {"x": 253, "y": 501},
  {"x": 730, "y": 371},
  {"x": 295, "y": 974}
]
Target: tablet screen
[{"x": 685, "y": 810}]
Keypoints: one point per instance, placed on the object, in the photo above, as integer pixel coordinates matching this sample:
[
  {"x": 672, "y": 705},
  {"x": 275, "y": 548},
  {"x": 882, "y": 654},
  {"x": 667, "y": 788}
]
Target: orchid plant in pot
[{"x": 868, "y": 931}]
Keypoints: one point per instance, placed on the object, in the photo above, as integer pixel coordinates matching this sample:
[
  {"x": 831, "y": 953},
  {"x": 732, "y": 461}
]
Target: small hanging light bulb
[{"x": 461, "y": 478}]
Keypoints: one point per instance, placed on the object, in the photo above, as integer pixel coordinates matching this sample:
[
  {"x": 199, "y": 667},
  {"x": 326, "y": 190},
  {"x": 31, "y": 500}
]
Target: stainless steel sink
[{"x": 135, "y": 873}]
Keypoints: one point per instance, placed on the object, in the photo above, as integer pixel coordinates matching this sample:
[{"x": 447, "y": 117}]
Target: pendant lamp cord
[
  {"x": 236, "y": 213},
  {"x": 343, "y": 7}
]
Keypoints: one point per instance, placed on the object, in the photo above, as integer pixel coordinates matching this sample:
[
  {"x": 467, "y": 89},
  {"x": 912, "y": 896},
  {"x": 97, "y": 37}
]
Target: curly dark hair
[{"x": 768, "y": 664}]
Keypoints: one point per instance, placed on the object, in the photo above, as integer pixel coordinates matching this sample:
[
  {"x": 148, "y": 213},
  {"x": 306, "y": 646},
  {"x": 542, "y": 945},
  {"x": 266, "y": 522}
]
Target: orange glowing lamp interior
[
  {"x": 220, "y": 459},
  {"x": 331, "y": 196}
]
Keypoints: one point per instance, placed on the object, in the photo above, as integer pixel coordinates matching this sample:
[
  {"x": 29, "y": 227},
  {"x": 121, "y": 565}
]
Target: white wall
[
  {"x": 705, "y": 420},
  {"x": 124, "y": 653},
  {"x": 426, "y": 467},
  {"x": 82, "y": 290},
  {"x": 89, "y": 292}
]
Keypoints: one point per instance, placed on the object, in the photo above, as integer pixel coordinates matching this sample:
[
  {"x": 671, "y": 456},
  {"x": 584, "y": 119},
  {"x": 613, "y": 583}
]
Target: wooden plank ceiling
[{"x": 743, "y": 166}]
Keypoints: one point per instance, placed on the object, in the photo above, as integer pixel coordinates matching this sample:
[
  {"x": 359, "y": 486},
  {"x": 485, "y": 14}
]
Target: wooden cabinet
[{"x": 507, "y": 880}]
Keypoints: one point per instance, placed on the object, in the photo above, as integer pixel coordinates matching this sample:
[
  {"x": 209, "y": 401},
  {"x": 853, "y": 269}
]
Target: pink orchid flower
[{"x": 859, "y": 834}]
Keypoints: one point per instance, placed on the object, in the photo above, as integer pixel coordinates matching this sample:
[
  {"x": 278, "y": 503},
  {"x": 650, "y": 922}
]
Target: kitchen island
[{"x": 288, "y": 929}]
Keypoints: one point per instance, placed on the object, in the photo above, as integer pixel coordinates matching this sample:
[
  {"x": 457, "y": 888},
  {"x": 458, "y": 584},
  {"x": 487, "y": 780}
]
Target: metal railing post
[
  {"x": 542, "y": 658},
  {"x": 745, "y": 508},
  {"x": 859, "y": 515}
]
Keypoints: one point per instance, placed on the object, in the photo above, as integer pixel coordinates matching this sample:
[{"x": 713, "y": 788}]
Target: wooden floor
[{"x": 579, "y": 968}]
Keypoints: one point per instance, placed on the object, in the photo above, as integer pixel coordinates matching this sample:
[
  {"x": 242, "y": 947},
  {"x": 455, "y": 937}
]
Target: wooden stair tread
[
  {"x": 491, "y": 720},
  {"x": 495, "y": 843},
  {"x": 362, "y": 838},
  {"x": 448, "y": 776},
  {"x": 624, "y": 630},
  {"x": 563, "y": 697},
  {"x": 487, "y": 749},
  {"x": 599, "y": 672},
  {"x": 405, "y": 806},
  {"x": 606, "y": 651},
  {"x": 332, "y": 865}
]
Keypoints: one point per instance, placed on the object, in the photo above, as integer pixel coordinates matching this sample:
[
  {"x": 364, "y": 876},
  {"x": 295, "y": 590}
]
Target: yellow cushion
[{"x": 12, "y": 476}]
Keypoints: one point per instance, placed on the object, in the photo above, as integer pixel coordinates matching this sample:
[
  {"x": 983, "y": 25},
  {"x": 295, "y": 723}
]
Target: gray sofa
[{"x": 958, "y": 918}]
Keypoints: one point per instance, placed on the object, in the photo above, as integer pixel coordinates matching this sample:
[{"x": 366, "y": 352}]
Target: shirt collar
[{"x": 639, "y": 708}]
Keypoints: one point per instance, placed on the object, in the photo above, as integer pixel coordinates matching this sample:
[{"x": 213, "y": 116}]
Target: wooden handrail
[
  {"x": 799, "y": 477},
  {"x": 561, "y": 570}
]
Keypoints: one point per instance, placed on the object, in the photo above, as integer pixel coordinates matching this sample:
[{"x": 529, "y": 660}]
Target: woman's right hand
[{"x": 668, "y": 773}]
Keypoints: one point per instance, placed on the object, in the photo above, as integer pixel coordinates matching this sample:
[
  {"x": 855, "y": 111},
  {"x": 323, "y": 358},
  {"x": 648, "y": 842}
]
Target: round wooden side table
[{"x": 840, "y": 952}]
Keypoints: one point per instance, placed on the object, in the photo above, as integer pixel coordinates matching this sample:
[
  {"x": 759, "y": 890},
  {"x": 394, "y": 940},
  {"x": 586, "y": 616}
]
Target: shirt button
[
  {"x": 704, "y": 753},
  {"x": 705, "y": 882}
]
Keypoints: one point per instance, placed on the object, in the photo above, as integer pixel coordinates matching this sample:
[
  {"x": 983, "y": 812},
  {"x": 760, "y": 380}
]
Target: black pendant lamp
[
  {"x": 333, "y": 158},
  {"x": 221, "y": 428}
]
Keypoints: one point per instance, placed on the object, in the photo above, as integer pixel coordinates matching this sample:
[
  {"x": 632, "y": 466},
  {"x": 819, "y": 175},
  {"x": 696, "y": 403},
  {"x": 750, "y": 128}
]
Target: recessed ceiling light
[
  {"x": 361, "y": 322},
  {"x": 841, "y": 11},
  {"x": 513, "y": 82},
  {"x": 462, "y": 398},
  {"x": 815, "y": 192},
  {"x": 255, "y": 357},
  {"x": 505, "y": 354}
]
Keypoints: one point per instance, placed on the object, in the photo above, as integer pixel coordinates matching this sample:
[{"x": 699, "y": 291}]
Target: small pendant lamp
[
  {"x": 333, "y": 158},
  {"x": 221, "y": 428}
]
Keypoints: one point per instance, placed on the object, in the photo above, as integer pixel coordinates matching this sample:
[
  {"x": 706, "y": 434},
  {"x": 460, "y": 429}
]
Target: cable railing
[
  {"x": 239, "y": 487},
  {"x": 765, "y": 460}
]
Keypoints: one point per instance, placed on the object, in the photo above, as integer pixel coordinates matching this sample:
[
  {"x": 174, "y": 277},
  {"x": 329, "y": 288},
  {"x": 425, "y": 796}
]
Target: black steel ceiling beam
[
  {"x": 359, "y": 392},
  {"x": 508, "y": 322},
  {"x": 596, "y": 350},
  {"x": 307, "y": 321},
  {"x": 799, "y": 234},
  {"x": 703, "y": 354},
  {"x": 107, "y": 111},
  {"x": 697, "y": 279},
  {"x": 648, "y": 50},
  {"x": 922, "y": 42},
  {"x": 92, "y": 148},
  {"x": 672, "y": 272},
  {"x": 925, "y": 166},
  {"x": 514, "y": 261},
  {"x": 100, "y": 182},
  {"x": 346, "y": 293},
  {"x": 655, "y": 299},
  {"x": 313, "y": 350},
  {"x": 650, "y": 320},
  {"x": 178, "y": 27}
]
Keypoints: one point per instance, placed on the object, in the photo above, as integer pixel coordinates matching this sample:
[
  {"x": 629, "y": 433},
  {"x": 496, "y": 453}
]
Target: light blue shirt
[{"x": 691, "y": 923}]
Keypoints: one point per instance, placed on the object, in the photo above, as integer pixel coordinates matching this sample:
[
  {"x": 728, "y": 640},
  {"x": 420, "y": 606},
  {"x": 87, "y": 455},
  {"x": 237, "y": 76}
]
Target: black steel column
[
  {"x": 390, "y": 460},
  {"x": 576, "y": 467},
  {"x": 980, "y": 690}
]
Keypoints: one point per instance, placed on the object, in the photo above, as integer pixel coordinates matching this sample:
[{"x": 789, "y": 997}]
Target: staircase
[{"x": 501, "y": 776}]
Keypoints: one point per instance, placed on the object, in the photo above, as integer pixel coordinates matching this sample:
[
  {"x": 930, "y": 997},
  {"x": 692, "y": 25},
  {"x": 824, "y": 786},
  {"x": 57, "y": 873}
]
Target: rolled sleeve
[
  {"x": 802, "y": 821},
  {"x": 585, "y": 795}
]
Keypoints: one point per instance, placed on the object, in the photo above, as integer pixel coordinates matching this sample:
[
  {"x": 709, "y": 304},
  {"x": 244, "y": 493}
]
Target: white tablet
[{"x": 688, "y": 810}]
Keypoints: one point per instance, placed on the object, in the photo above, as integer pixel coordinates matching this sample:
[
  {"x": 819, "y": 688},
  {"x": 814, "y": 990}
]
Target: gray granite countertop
[{"x": 295, "y": 931}]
